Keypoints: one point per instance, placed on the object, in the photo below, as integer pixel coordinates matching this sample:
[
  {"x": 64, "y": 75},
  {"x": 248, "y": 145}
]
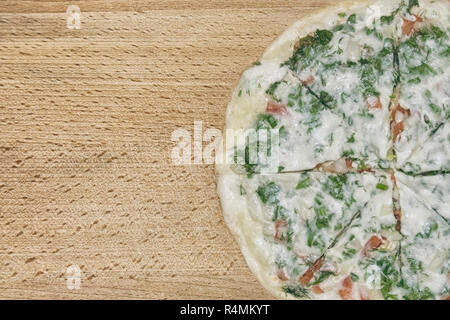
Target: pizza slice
[
  {"x": 425, "y": 250},
  {"x": 364, "y": 263},
  {"x": 325, "y": 101},
  {"x": 421, "y": 114},
  {"x": 285, "y": 223},
  {"x": 375, "y": 261}
]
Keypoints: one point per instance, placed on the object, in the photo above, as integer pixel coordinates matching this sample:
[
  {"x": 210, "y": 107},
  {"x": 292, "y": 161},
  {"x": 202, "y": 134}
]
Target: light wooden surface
[{"x": 86, "y": 118}]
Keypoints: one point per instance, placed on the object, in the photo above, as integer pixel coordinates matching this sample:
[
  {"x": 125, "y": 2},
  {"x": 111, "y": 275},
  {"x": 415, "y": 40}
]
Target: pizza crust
[
  {"x": 246, "y": 231},
  {"x": 282, "y": 48}
]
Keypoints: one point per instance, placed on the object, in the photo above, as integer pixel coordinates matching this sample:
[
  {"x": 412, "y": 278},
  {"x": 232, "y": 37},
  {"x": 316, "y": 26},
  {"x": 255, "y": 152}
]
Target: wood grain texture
[{"x": 86, "y": 118}]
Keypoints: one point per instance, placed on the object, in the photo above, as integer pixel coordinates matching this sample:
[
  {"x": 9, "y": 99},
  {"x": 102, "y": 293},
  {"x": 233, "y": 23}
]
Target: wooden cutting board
[{"x": 86, "y": 117}]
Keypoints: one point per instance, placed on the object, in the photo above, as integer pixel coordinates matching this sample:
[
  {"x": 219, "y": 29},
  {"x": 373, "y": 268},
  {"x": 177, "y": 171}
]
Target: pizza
[{"x": 336, "y": 181}]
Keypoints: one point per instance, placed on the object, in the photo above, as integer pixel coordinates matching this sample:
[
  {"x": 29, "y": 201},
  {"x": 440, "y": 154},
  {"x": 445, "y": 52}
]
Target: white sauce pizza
[{"x": 348, "y": 194}]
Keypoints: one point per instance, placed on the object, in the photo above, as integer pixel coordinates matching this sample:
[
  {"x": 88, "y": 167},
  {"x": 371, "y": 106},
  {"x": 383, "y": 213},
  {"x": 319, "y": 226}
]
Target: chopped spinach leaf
[
  {"x": 412, "y": 3},
  {"x": 382, "y": 186},
  {"x": 271, "y": 91},
  {"x": 296, "y": 291},
  {"x": 266, "y": 121},
  {"x": 354, "y": 277},
  {"x": 269, "y": 193},
  {"x": 352, "y": 19},
  {"x": 335, "y": 186},
  {"x": 323, "y": 275},
  {"x": 304, "y": 183},
  {"x": 308, "y": 48}
]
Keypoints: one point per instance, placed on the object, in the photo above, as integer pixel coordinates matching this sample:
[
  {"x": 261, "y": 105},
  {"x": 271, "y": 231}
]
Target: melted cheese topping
[{"x": 352, "y": 200}]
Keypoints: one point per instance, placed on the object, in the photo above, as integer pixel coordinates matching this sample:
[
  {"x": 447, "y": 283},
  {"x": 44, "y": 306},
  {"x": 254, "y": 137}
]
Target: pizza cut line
[{"x": 356, "y": 207}]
